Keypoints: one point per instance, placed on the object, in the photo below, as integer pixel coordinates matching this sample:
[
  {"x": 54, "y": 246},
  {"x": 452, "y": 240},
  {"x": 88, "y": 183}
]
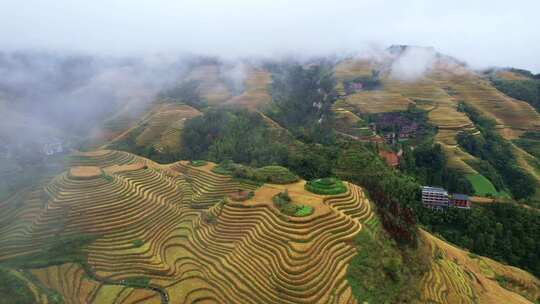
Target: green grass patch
[
  {"x": 137, "y": 282},
  {"x": 303, "y": 210},
  {"x": 198, "y": 163},
  {"x": 365, "y": 132},
  {"x": 482, "y": 186},
  {"x": 326, "y": 186}
]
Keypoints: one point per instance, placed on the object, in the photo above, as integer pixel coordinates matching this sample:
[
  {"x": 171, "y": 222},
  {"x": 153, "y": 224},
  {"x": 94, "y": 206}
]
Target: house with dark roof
[{"x": 460, "y": 201}]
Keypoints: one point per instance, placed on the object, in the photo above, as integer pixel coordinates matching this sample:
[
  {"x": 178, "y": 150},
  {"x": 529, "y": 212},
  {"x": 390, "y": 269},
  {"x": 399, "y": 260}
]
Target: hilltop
[{"x": 164, "y": 234}]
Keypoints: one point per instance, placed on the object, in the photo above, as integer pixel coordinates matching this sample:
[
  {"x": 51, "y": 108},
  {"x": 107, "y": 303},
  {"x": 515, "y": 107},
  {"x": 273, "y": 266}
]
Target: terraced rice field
[
  {"x": 439, "y": 92},
  {"x": 459, "y": 277},
  {"x": 124, "y": 119},
  {"x": 427, "y": 93},
  {"x": 513, "y": 115},
  {"x": 75, "y": 286},
  {"x": 162, "y": 126},
  {"x": 255, "y": 95},
  {"x": 172, "y": 226},
  {"x": 352, "y": 68},
  {"x": 378, "y": 101},
  {"x": 212, "y": 85}
]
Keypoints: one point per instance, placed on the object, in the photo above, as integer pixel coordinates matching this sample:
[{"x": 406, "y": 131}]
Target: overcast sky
[{"x": 481, "y": 32}]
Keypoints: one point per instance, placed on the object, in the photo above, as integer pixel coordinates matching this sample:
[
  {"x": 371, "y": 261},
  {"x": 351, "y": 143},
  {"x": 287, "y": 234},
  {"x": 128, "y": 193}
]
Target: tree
[
  {"x": 185, "y": 92},
  {"x": 303, "y": 98}
]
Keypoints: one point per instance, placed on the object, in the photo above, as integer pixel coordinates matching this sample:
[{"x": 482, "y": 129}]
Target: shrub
[
  {"x": 327, "y": 181},
  {"x": 326, "y": 186},
  {"x": 241, "y": 196},
  {"x": 137, "y": 282},
  {"x": 268, "y": 174},
  {"x": 208, "y": 218},
  {"x": 226, "y": 167},
  {"x": 275, "y": 175},
  {"x": 289, "y": 209},
  {"x": 137, "y": 243},
  {"x": 283, "y": 202}
]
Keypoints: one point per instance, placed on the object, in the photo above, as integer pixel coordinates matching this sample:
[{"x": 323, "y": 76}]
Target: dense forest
[
  {"x": 232, "y": 134},
  {"x": 302, "y": 100}
]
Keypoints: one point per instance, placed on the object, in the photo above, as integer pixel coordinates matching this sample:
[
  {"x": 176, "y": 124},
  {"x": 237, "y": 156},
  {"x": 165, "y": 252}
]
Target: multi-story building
[
  {"x": 434, "y": 197},
  {"x": 438, "y": 198}
]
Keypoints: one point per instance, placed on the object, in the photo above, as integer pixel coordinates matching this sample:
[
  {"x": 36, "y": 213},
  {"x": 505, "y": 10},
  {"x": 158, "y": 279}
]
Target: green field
[{"x": 482, "y": 186}]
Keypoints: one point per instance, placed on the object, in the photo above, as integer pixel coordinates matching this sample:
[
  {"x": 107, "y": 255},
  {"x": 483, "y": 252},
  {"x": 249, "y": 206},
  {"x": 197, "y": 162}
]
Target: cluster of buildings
[
  {"x": 395, "y": 127},
  {"x": 356, "y": 87},
  {"x": 52, "y": 146},
  {"x": 439, "y": 198}
]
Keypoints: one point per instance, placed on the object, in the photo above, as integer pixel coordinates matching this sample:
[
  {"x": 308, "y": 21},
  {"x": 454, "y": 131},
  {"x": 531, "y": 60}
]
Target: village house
[
  {"x": 394, "y": 127},
  {"x": 460, "y": 201},
  {"x": 438, "y": 198},
  {"x": 408, "y": 131},
  {"x": 391, "y": 158},
  {"x": 390, "y": 138},
  {"x": 356, "y": 86},
  {"x": 52, "y": 146}
]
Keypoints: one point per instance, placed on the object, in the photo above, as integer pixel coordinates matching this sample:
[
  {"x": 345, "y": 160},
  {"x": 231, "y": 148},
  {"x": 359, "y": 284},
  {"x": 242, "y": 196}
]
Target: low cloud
[
  {"x": 74, "y": 93},
  {"x": 413, "y": 63}
]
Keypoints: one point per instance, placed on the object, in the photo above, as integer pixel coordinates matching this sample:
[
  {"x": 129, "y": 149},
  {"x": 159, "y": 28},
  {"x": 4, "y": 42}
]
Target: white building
[
  {"x": 51, "y": 147},
  {"x": 434, "y": 197}
]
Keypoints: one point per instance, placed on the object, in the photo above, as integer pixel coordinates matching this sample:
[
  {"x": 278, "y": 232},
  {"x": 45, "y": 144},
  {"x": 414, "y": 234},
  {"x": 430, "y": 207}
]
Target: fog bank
[{"x": 483, "y": 32}]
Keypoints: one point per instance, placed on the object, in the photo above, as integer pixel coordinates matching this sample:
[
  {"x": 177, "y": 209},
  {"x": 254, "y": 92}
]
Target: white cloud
[
  {"x": 483, "y": 32},
  {"x": 413, "y": 63}
]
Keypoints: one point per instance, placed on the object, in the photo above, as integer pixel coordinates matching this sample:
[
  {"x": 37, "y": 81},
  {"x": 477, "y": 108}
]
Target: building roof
[
  {"x": 391, "y": 158},
  {"x": 458, "y": 196},
  {"x": 434, "y": 189}
]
